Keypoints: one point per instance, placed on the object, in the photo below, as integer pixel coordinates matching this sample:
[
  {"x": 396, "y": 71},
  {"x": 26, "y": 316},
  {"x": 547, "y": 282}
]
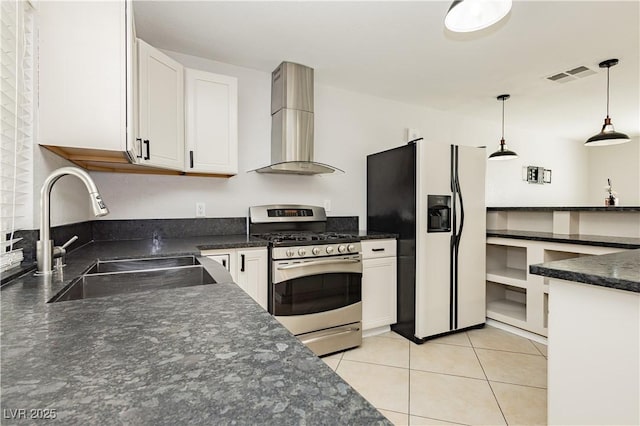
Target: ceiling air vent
[
  {"x": 572, "y": 74},
  {"x": 561, "y": 78},
  {"x": 581, "y": 72}
]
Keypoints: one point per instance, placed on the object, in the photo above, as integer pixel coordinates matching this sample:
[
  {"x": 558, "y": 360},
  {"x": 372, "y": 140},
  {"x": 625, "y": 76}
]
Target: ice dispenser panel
[{"x": 439, "y": 212}]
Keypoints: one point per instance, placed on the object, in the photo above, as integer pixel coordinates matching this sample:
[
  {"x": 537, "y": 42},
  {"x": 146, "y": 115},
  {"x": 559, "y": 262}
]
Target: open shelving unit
[
  {"x": 517, "y": 298},
  {"x": 507, "y": 284}
]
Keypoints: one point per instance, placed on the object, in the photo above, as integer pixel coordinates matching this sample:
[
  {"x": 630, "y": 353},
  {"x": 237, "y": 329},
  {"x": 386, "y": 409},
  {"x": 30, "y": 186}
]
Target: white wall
[
  {"x": 620, "y": 163},
  {"x": 566, "y": 159},
  {"x": 349, "y": 126}
]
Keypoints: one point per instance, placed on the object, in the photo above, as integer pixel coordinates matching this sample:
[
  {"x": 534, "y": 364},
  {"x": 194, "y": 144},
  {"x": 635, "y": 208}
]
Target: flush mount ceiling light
[
  {"x": 608, "y": 135},
  {"x": 503, "y": 153},
  {"x": 465, "y": 16}
]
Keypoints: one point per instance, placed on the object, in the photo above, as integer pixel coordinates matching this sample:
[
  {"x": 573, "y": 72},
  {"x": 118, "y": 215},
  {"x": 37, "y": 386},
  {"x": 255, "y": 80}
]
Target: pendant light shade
[
  {"x": 472, "y": 15},
  {"x": 608, "y": 135},
  {"x": 503, "y": 153}
]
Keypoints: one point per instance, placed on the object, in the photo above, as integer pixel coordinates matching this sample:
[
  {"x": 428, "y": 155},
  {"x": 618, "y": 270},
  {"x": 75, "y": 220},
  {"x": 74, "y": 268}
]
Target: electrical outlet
[
  {"x": 200, "y": 210},
  {"x": 327, "y": 205}
]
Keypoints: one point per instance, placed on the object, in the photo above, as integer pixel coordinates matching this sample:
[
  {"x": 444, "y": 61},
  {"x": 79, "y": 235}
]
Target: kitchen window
[{"x": 18, "y": 107}]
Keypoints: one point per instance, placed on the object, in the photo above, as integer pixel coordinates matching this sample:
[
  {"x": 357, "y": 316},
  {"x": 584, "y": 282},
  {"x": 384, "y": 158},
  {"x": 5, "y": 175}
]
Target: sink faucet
[{"x": 45, "y": 251}]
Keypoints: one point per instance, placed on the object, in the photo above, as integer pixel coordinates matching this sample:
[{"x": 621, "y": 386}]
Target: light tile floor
[{"x": 479, "y": 377}]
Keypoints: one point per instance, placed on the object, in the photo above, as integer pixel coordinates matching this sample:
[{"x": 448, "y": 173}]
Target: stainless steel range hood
[{"x": 292, "y": 122}]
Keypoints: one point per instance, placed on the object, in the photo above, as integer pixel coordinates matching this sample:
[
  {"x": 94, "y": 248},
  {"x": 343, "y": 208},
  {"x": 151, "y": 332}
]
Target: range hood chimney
[{"x": 292, "y": 122}]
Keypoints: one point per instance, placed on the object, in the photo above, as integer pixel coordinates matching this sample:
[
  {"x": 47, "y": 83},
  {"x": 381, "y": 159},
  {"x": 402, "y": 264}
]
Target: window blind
[{"x": 17, "y": 91}]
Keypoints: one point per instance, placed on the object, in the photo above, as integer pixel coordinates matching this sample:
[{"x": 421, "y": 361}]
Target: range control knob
[
  {"x": 290, "y": 253},
  {"x": 315, "y": 251},
  {"x": 351, "y": 247},
  {"x": 329, "y": 250},
  {"x": 342, "y": 248},
  {"x": 302, "y": 252}
]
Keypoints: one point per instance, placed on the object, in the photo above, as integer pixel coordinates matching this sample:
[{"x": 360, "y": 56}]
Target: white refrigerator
[{"x": 433, "y": 196}]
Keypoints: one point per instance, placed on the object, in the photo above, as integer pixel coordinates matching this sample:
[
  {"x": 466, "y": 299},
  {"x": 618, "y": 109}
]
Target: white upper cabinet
[
  {"x": 160, "y": 108},
  {"x": 84, "y": 70},
  {"x": 211, "y": 123},
  {"x": 107, "y": 99}
]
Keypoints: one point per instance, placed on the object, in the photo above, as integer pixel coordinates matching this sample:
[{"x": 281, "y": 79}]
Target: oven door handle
[{"x": 318, "y": 262}]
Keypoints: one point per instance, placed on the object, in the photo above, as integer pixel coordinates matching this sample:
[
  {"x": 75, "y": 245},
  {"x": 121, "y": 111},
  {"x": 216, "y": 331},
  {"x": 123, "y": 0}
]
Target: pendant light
[
  {"x": 465, "y": 16},
  {"x": 503, "y": 153},
  {"x": 608, "y": 135}
]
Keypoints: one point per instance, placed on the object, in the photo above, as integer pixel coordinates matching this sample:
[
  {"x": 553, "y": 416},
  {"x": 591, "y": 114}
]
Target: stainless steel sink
[
  {"x": 135, "y": 275},
  {"x": 105, "y": 266}
]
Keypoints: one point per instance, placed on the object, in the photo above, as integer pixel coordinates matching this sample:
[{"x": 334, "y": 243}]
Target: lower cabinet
[
  {"x": 251, "y": 274},
  {"x": 379, "y": 283},
  {"x": 594, "y": 345},
  {"x": 248, "y": 268}
]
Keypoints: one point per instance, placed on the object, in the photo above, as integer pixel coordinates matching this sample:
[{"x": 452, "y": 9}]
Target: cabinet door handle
[
  {"x": 148, "y": 156},
  {"x": 242, "y": 263},
  {"x": 377, "y": 249},
  {"x": 191, "y": 158},
  {"x": 224, "y": 262},
  {"x": 139, "y": 140}
]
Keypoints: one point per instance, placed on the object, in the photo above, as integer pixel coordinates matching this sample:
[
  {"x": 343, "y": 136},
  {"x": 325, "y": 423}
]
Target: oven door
[{"x": 325, "y": 292}]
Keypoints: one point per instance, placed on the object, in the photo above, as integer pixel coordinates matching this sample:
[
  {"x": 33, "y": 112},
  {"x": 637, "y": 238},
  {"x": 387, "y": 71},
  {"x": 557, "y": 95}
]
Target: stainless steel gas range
[{"x": 315, "y": 276}]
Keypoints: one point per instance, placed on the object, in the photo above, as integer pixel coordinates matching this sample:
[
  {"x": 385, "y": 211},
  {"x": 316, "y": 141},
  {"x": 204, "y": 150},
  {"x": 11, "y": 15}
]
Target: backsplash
[
  {"x": 342, "y": 224},
  {"x": 141, "y": 229},
  {"x": 59, "y": 234}
]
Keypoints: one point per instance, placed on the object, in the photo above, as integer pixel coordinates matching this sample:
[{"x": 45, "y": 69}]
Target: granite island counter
[
  {"x": 197, "y": 355},
  {"x": 594, "y": 339}
]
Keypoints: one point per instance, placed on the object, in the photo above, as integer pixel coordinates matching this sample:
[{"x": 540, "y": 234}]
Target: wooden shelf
[
  {"x": 507, "y": 310},
  {"x": 510, "y": 276}
]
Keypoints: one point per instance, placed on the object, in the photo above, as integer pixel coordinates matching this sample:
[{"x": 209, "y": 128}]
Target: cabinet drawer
[{"x": 372, "y": 249}]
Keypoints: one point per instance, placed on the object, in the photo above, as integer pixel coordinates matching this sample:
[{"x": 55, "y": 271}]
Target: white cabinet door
[
  {"x": 212, "y": 123},
  {"x": 252, "y": 273},
  {"x": 160, "y": 108},
  {"x": 248, "y": 268},
  {"x": 83, "y": 74},
  {"x": 379, "y": 295}
]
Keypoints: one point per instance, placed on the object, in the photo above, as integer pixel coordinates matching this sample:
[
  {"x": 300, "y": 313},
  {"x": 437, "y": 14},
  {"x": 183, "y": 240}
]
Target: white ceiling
[{"x": 401, "y": 51}]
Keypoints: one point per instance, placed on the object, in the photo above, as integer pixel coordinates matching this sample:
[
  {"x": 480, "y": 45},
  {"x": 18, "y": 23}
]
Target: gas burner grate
[{"x": 297, "y": 237}]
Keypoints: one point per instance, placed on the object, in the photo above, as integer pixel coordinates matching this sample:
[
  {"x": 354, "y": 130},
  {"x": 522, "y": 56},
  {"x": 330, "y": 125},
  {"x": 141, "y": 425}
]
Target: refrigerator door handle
[
  {"x": 459, "y": 192},
  {"x": 456, "y": 235}
]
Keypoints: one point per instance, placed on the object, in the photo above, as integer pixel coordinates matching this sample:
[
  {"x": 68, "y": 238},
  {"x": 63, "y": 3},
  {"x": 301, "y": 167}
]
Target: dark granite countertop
[
  {"x": 371, "y": 235},
  {"x": 616, "y": 270},
  {"x": 566, "y": 209},
  {"x": 196, "y": 355},
  {"x": 590, "y": 240}
]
